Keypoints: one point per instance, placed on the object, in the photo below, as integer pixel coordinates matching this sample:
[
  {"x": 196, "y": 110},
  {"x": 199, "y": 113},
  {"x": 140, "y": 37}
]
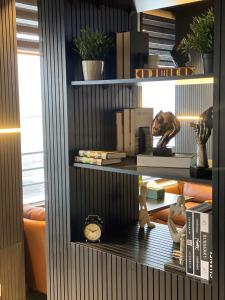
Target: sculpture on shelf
[
  {"x": 144, "y": 217},
  {"x": 167, "y": 126},
  {"x": 177, "y": 209},
  {"x": 203, "y": 129}
]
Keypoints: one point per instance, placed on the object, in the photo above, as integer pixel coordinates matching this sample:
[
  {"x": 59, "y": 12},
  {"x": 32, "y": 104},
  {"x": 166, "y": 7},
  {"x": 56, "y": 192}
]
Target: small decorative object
[
  {"x": 203, "y": 129},
  {"x": 176, "y": 210},
  {"x": 167, "y": 126},
  {"x": 93, "y": 48},
  {"x": 155, "y": 192},
  {"x": 201, "y": 39},
  {"x": 144, "y": 217},
  {"x": 93, "y": 228}
]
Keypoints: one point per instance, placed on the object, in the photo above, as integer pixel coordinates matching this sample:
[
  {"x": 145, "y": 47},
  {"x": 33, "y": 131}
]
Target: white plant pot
[{"x": 93, "y": 69}]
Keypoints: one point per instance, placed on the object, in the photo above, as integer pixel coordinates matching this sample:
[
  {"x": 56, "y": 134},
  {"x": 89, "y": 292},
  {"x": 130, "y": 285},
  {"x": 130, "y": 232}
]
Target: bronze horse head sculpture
[{"x": 165, "y": 125}]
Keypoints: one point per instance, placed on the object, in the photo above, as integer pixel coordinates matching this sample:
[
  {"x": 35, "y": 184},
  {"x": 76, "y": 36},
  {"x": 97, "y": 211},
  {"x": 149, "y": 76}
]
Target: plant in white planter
[
  {"x": 93, "y": 47},
  {"x": 201, "y": 38}
]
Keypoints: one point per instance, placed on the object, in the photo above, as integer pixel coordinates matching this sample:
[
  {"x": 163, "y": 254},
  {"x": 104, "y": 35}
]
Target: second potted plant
[
  {"x": 93, "y": 48},
  {"x": 201, "y": 39}
]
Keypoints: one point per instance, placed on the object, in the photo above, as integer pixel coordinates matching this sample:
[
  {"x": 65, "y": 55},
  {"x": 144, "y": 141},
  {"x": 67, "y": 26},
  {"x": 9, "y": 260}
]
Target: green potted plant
[
  {"x": 93, "y": 48},
  {"x": 201, "y": 39}
]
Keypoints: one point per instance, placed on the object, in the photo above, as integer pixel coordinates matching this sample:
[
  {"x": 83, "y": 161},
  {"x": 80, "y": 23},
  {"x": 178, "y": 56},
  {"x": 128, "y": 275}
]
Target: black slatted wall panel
[
  {"x": 99, "y": 275},
  {"x": 162, "y": 36},
  {"x": 11, "y": 232}
]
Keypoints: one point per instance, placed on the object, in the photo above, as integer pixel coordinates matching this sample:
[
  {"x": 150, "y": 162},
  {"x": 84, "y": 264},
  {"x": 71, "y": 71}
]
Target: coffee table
[{"x": 169, "y": 199}]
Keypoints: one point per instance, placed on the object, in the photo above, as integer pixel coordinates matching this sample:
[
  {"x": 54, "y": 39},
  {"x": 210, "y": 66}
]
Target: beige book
[
  {"x": 127, "y": 55},
  {"x": 119, "y": 131},
  {"x": 140, "y": 117},
  {"x": 127, "y": 131},
  {"x": 119, "y": 55}
]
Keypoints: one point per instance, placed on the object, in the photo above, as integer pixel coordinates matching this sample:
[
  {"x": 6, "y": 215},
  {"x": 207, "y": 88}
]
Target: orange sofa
[
  {"x": 199, "y": 192},
  {"x": 35, "y": 248}
]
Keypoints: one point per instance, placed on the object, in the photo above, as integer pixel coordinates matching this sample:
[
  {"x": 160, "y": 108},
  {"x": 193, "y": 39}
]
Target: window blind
[
  {"x": 27, "y": 25},
  {"x": 162, "y": 36}
]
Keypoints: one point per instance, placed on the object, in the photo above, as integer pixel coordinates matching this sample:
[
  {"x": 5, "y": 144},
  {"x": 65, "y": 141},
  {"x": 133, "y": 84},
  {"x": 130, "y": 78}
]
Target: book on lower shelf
[
  {"x": 101, "y": 154},
  {"x": 199, "y": 254},
  {"x": 133, "y": 130},
  {"x": 100, "y": 158},
  {"x": 177, "y": 161},
  {"x": 97, "y": 161}
]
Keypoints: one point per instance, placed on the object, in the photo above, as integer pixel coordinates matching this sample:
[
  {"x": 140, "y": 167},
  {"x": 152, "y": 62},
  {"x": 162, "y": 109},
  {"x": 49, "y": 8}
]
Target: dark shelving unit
[
  {"x": 150, "y": 247},
  {"x": 129, "y": 167},
  {"x": 133, "y": 81}
]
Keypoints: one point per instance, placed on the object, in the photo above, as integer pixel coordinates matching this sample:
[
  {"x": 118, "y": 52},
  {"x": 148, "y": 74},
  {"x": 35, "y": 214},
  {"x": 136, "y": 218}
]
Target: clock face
[{"x": 92, "y": 232}]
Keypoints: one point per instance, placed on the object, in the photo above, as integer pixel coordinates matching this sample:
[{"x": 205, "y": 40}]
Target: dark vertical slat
[
  {"x": 12, "y": 277},
  {"x": 156, "y": 274},
  {"x": 169, "y": 286},
  {"x": 162, "y": 285},
  {"x": 150, "y": 284}
]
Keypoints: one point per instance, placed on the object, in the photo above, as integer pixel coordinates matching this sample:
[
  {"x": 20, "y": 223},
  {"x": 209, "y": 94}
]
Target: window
[{"x": 31, "y": 128}]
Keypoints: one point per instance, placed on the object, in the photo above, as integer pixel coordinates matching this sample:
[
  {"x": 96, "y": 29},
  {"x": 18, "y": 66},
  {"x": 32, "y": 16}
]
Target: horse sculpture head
[{"x": 165, "y": 125}]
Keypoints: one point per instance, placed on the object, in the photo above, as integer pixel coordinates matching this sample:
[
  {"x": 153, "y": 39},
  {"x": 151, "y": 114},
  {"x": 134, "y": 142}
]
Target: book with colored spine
[
  {"x": 96, "y": 161},
  {"x": 164, "y": 72},
  {"x": 104, "y": 155}
]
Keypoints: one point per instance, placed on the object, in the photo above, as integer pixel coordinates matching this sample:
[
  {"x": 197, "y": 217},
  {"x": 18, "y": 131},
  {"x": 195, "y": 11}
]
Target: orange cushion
[
  {"x": 199, "y": 192},
  {"x": 179, "y": 220},
  {"x": 34, "y": 213},
  {"x": 35, "y": 250}
]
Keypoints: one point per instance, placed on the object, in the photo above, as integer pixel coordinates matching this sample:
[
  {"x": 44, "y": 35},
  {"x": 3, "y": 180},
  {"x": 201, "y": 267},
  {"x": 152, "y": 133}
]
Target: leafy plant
[
  {"x": 93, "y": 45},
  {"x": 201, "y": 36}
]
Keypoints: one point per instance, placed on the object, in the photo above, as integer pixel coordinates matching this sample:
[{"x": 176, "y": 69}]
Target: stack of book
[
  {"x": 132, "y": 50},
  {"x": 199, "y": 242},
  {"x": 100, "y": 158},
  {"x": 133, "y": 130},
  {"x": 179, "y": 160},
  {"x": 164, "y": 72}
]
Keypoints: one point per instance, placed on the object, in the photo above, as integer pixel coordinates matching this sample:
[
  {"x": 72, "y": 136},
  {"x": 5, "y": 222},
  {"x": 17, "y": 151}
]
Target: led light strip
[
  {"x": 188, "y": 118},
  {"x": 9, "y": 130},
  {"x": 209, "y": 80}
]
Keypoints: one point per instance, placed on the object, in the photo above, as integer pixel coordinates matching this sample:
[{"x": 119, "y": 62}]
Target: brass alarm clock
[{"x": 93, "y": 228}]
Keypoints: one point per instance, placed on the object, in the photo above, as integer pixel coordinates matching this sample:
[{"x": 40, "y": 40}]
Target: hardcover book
[
  {"x": 177, "y": 161},
  {"x": 140, "y": 118},
  {"x": 101, "y": 154},
  {"x": 132, "y": 53},
  {"x": 164, "y": 72},
  {"x": 96, "y": 161}
]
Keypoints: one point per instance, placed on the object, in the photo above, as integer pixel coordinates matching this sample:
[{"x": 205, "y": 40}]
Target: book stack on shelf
[
  {"x": 133, "y": 130},
  {"x": 179, "y": 160},
  {"x": 199, "y": 242},
  {"x": 131, "y": 53},
  {"x": 100, "y": 158},
  {"x": 164, "y": 72}
]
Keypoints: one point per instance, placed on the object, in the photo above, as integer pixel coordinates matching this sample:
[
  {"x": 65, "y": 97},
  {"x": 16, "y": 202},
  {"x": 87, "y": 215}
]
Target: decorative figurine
[
  {"x": 176, "y": 210},
  {"x": 144, "y": 217},
  {"x": 167, "y": 126},
  {"x": 203, "y": 129}
]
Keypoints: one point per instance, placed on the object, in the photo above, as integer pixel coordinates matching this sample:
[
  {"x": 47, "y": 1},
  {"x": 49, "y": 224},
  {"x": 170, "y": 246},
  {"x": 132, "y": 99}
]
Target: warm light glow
[
  {"x": 189, "y": 118},
  {"x": 208, "y": 80},
  {"x": 9, "y": 130}
]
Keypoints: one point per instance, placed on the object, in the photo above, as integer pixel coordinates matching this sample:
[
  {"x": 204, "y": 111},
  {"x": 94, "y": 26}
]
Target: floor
[{"x": 36, "y": 296}]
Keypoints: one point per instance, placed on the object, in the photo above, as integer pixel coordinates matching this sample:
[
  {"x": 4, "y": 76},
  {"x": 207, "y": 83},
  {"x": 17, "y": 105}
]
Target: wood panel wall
[{"x": 11, "y": 229}]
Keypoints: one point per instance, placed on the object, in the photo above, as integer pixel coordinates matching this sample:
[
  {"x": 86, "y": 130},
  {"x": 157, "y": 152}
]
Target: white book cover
[
  {"x": 178, "y": 161},
  {"x": 127, "y": 131},
  {"x": 119, "y": 132}
]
